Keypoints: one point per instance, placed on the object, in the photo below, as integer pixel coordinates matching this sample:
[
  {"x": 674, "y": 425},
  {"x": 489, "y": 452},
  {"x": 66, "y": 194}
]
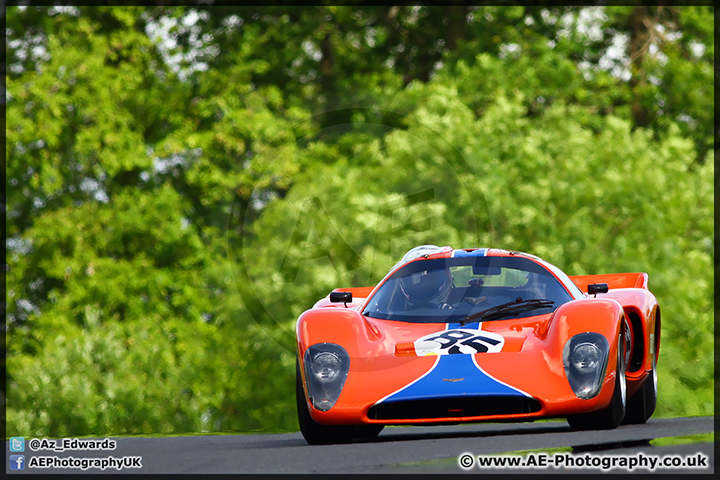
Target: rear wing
[{"x": 613, "y": 280}]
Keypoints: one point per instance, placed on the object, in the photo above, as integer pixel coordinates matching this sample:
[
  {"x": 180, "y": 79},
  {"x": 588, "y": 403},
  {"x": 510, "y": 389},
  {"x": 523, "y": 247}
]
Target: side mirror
[
  {"x": 336, "y": 297},
  {"x": 596, "y": 288}
]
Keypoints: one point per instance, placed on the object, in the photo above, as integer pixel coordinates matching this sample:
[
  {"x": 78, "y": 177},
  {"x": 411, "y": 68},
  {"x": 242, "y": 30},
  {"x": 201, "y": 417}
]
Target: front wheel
[
  {"x": 612, "y": 416},
  {"x": 319, "y": 434}
]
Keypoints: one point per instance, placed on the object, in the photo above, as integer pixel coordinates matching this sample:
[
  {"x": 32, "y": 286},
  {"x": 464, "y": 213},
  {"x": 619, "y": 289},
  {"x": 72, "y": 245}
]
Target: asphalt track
[{"x": 414, "y": 450}]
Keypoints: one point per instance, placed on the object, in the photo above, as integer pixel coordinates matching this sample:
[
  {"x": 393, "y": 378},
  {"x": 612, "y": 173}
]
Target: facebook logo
[
  {"x": 17, "y": 444},
  {"x": 17, "y": 462}
]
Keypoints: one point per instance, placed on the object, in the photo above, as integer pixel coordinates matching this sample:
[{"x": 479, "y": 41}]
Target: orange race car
[{"x": 455, "y": 336}]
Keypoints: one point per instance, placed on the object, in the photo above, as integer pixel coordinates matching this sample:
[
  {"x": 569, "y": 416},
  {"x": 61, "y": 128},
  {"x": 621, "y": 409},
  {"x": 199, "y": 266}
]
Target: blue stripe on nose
[{"x": 453, "y": 376}]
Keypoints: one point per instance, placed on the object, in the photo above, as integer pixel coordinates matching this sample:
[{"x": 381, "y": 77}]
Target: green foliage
[{"x": 173, "y": 205}]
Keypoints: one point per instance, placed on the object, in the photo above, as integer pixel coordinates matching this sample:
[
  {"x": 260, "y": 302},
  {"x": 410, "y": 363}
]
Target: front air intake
[{"x": 453, "y": 407}]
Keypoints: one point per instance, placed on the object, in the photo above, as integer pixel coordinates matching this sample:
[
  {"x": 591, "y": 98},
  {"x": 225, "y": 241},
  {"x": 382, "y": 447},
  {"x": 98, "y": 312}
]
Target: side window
[{"x": 574, "y": 290}]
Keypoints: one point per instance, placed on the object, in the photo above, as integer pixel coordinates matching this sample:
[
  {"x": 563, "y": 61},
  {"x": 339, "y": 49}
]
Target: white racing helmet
[{"x": 427, "y": 286}]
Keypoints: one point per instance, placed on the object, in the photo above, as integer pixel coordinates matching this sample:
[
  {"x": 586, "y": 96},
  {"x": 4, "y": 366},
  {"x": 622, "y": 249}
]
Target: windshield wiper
[{"x": 516, "y": 305}]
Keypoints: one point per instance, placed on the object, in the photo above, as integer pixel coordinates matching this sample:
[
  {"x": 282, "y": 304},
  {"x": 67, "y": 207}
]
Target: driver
[{"x": 428, "y": 288}]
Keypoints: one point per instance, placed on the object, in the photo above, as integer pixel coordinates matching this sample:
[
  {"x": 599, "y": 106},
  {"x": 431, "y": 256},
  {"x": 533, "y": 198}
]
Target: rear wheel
[
  {"x": 612, "y": 416},
  {"x": 319, "y": 434},
  {"x": 642, "y": 405}
]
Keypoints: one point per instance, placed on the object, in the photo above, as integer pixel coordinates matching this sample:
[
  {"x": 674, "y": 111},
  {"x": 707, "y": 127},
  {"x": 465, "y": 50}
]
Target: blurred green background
[{"x": 182, "y": 182}]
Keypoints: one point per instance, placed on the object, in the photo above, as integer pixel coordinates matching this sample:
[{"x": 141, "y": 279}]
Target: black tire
[
  {"x": 641, "y": 406},
  {"x": 612, "y": 416},
  {"x": 319, "y": 434}
]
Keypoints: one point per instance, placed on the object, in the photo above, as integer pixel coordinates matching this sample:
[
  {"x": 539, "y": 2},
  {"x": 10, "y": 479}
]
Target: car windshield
[{"x": 460, "y": 289}]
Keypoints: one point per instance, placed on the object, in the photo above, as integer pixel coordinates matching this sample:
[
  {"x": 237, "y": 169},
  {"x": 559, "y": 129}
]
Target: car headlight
[
  {"x": 585, "y": 358},
  {"x": 326, "y": 368}
]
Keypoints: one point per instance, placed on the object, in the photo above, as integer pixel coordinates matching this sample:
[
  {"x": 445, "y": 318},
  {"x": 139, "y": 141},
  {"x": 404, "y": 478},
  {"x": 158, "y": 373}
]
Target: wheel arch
[{"x": 645, "y": 337}]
